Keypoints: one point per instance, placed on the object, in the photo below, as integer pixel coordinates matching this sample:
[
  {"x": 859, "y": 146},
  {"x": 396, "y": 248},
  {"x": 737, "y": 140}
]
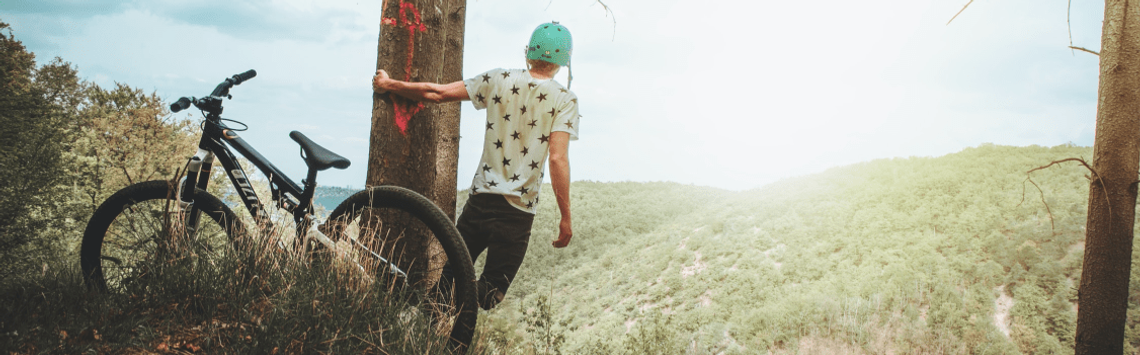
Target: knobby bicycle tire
[
  {"x": 388, "y": 202},
  {"x": 136, "y": 222}
]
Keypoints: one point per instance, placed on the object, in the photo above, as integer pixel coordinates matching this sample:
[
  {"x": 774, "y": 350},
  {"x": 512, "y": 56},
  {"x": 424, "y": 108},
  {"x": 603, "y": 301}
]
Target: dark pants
[{"x": 488, "y": 222}]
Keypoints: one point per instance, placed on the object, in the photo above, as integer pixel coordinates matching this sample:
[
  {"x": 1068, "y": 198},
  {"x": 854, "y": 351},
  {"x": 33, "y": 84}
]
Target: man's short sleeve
[
  {"x": 479, "y": 88},
  {"x": 567, "y": 118}
]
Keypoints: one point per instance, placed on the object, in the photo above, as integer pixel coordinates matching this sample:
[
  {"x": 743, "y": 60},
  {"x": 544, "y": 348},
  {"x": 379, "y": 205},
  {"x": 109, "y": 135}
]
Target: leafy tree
[
  {"x": 124, "y": 137},
  {"x": 32, "y": 132},
  {"x": 66, "y": 145}
]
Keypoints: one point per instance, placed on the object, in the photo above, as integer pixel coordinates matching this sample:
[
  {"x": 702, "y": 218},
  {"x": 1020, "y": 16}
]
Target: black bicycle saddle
[{"x": 316, "y": 156}]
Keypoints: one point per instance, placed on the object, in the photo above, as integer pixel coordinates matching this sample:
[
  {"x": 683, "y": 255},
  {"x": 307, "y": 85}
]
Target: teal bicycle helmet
[{"x": 550, "y": 42}]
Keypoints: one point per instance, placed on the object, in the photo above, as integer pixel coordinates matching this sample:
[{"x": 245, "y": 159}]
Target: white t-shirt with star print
[{"x": 521, "y": 113}]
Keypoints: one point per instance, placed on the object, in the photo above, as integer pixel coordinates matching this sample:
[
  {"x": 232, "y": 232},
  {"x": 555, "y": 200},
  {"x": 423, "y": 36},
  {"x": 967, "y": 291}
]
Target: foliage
[
  {"x": 252, "y": 300},
  {"x": 32, "y": 138},
  {"x": 125, "y": 137},
  {"x": 895, "y": 255},
  {"x": 67, "y": 144}
]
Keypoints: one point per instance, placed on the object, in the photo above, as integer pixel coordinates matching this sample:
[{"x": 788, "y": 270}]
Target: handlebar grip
[
  {"x": 181, "y": 104},
  {"x": 239, "y": 78}
]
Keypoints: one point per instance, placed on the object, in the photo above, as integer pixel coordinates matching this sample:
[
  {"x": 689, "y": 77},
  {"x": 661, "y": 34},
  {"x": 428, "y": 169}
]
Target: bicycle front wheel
[
  {"x": 144, "y": 221},
  {"x": 413, "y": 234}
]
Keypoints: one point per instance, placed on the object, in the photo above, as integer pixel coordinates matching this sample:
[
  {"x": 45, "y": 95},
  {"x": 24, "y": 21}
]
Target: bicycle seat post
[{"x": 310, "y": 187}]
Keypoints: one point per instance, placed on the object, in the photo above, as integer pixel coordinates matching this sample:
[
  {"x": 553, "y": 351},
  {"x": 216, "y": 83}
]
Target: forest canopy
[{"x": 950, "y": 254}]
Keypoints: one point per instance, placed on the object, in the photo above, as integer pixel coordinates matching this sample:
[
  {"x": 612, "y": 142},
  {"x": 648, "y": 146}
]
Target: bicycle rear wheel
[
  {"x": 144, "y": 221},
  {"x": 411, "y": 232}
]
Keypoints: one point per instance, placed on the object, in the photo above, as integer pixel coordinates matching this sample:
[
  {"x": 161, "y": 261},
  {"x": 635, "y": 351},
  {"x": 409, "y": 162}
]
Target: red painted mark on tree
[{"x": 405, "y": 109}]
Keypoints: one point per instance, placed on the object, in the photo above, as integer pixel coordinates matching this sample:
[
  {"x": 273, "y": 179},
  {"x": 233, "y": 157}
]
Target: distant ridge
[{"x": 331, "y": 196}]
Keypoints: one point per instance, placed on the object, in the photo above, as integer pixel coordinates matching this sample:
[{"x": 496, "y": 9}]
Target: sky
[{"x": 729, "y": 94}]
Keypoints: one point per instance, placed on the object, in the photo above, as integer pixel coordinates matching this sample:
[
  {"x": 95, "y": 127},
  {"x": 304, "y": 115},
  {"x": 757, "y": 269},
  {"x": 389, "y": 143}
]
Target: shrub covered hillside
[{"x": 950, "y": 255}]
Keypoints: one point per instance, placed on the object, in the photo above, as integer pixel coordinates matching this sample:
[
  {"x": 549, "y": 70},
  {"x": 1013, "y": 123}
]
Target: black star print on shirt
[
  {"x": 531, "y": 85},
  {"x": 533, "y": 164},
  {"x": 490, "y": 125},
  {"x": 524, "y": 109},
  {"x": 497, "y": 99},
  {"x": 544, "y": 138},
  {"x": 530, "y": 205},
  {"x": 515, "y": 90},
  {"x": 506, "y": 162},
  {"x": 481, "y": 98},
  {"x": 524, "y": 190},
  {"x": 474, "y": 189},
  {"x": 486, "y": 78},
  {"x": 486, "y": 167},
  {"x": 563, "y": 90},
  {"x": 533, "y": 123},
  {"x": 515, "y": 135},
  {"x": 492, "y": 183},
  {"x": 525, "y": 150},
  {"x": 507, "y": 117},
  {"x": 541, "y": 97},
  {"x": 506, "y": 74},
  {"x": 499, "y": 144},
  {"x": 552, "y": 112},
  {"x": 515, "y": 177},
  {"x": 569, "y": 125}
]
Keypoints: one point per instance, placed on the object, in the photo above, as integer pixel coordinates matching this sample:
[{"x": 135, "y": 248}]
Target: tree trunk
[
  {"x": 1103, "y": 293},
  {"x": 447, "y": 136},
  {"x": 415, "y": 145}
]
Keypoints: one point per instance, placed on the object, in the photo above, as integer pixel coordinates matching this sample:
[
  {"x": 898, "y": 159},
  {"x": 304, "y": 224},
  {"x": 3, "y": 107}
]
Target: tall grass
[{"x": 253, "y": 298}]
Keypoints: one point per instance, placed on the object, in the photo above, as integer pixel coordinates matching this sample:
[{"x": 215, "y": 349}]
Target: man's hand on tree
[
  {"x": 378, "y": 80},
  {"x": 564, "y": 234}
]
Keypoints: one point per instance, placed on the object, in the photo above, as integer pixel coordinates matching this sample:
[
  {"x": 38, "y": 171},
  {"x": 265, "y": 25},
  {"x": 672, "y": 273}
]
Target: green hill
[{"x": 955, "y": 254}]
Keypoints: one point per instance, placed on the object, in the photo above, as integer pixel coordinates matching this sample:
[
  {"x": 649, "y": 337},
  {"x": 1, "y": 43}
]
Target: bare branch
[
  {"x": 959, "y": 12},
  {"x": 1055, "y": 162},
  {"x": 1052, "y": 225},
  {"x": 1069, "y": 24},
  {"x": 1085, "y": 50},
  {"x": 1087, "y": 166},
  {"x": 610, "y": 14}
]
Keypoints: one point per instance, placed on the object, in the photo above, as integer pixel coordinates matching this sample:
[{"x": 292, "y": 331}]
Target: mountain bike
[{"x": 146, "y": 219}]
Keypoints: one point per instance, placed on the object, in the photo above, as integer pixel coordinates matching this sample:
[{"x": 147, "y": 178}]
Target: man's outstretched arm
[
  {"x": 560, "y": 181},
  {"x": 430, "y": 92}
]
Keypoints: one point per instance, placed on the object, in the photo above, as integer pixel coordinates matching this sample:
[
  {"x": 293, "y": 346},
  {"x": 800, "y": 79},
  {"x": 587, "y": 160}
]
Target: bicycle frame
[
  {"x": 292, "y": 197},
  {"x": 212, "y": 146},
  {"x": 286, "y": 194}
]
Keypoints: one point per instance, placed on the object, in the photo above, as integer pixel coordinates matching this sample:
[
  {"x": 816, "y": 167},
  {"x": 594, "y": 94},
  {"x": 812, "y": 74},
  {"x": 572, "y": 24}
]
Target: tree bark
[
  {"x": 415, "y": 145},
  {"x": 1103, "y": 293},
  {"x": 447, "y": 138}
]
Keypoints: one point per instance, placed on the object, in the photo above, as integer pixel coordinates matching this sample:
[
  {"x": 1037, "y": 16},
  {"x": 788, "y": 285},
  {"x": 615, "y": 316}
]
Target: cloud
[
  {"x": 62, "y": 8},
  {"x": 257, "y": 20},
  {"x": 260, "y": 20}
]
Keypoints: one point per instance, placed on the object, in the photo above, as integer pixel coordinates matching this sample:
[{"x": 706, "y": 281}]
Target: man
[{"x": 529, "y": 117}]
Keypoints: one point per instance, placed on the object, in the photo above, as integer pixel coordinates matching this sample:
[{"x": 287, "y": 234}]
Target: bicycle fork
[{"x": 184, "y": 192}]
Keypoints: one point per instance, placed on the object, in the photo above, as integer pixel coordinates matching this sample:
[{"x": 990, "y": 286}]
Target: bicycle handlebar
[
  {"x": 223, "y": 89},
  {"x": 239, "y": 78},
  {"x": 181, "y": 104}
]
